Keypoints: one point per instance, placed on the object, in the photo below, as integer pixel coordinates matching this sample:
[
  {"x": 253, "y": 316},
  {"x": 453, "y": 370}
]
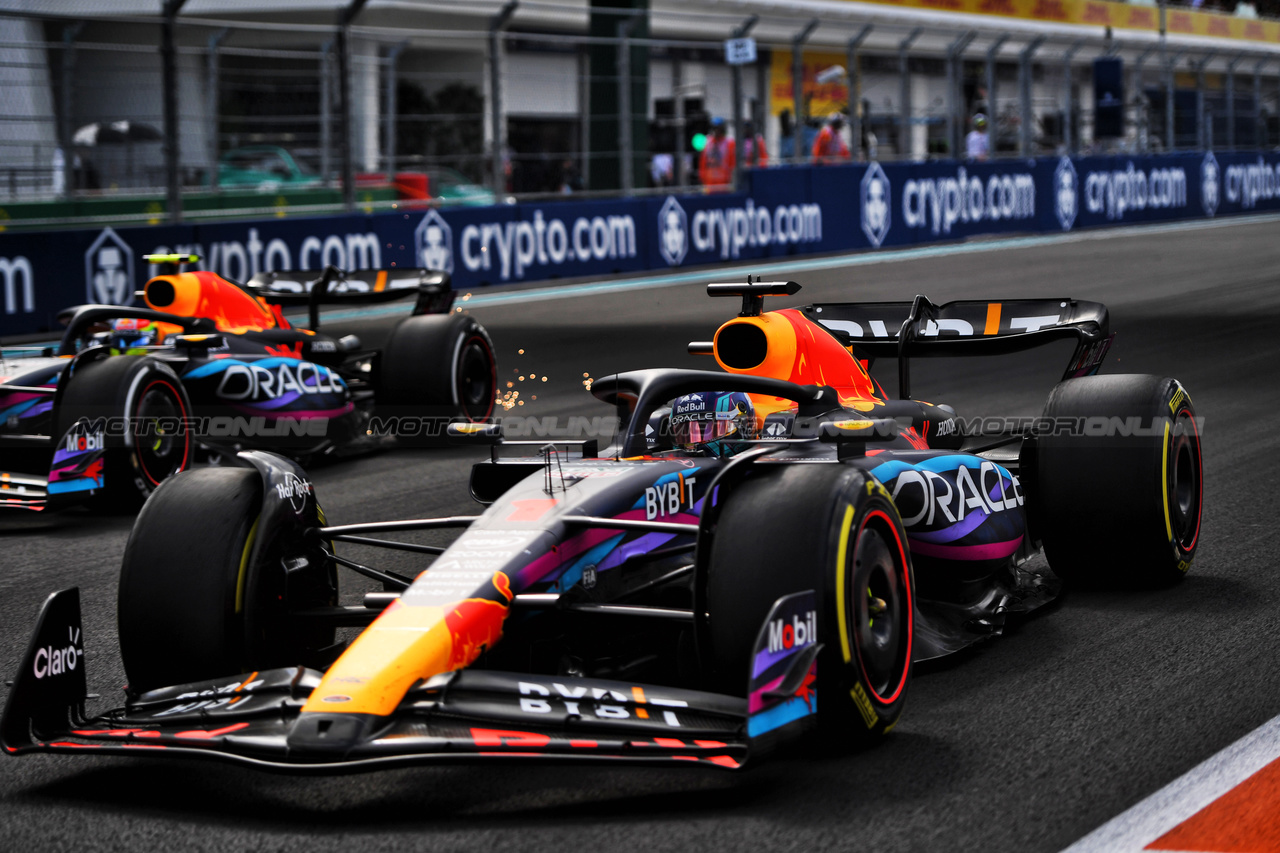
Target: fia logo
[
  {"x": 108, "y": 270},
  {"x": 1065, "y": 187},
  {"x": 1209, "y": 184},
  {"x": 877, "y": 215},
  {"x": 673, "y": 232},
  {"x": 433, "y": 242}
]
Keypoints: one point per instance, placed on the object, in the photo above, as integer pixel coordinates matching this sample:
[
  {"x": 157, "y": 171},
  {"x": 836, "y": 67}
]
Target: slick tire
[
  {"x": 832, "y": 529},
  {"x": 441, "y": 366},
  {"x": 155, "y": 443},
  {"x": 1113, "y": 509},
  {"x": 182, "y": 582}
]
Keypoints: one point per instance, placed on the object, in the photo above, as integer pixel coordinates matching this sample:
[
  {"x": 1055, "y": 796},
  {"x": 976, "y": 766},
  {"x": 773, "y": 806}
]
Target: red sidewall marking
[
  {"x": 186, "y": 436},
  {"x": 493, "y": 376},
  {"x": 906, "y": 580}
]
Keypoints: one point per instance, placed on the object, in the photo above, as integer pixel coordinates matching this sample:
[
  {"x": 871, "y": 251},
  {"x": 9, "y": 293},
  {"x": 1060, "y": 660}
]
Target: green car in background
[
  {"x": 265, "y": 167},
  {"x": 452, "y": 187},
  {"x": 270, "y": 168}
]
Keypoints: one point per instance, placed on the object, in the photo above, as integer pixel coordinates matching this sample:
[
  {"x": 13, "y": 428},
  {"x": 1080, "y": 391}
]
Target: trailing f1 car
[
  {"x": 762, "y": 553},
  {"x": 132, "y": 394}
]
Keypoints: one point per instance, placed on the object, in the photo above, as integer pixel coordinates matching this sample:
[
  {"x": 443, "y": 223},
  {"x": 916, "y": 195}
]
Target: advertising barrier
[{"x": 788, "y": 211}]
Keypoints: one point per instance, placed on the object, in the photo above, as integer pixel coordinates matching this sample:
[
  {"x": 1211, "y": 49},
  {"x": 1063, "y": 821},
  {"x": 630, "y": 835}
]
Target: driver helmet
[
  {"x": 712, "y": 421},
  {"x": 129, "y": 335},
  {"x": 979, "y": 121}
]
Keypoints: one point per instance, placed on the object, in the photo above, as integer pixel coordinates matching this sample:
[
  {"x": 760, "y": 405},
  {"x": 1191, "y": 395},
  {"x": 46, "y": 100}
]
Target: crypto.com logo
[
  {"x": 1210, "y": 183},
  {"x": 673, "y": 232},
  {"x": 1065, "y": 193},
  {"x": 877, "y": 215},
  {"x": 433, "y": 243},
  {"x": 108, "y": 270}
]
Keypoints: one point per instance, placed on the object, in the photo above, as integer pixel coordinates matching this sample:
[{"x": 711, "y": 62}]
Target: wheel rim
[
  {"x": 476, "y": 379},
  {"x": 161, "y": 443},
  {"x": 880, "y": 602},
  {"x": 1185, "y": 482}
]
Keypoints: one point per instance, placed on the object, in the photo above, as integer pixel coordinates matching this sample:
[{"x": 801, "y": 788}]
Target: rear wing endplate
[{"x": 922, "y": 328}]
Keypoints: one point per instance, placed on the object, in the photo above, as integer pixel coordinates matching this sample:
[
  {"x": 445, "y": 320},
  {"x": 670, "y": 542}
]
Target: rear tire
[
  {"x": 1114, "y": 509},
  {"x": 831, "y": 529},
  {"x": 439, "y": 365}
]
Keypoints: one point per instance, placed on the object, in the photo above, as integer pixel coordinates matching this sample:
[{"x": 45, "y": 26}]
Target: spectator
[
  {"x": 662, "y": 169},
  {"x": 754, "y": 153},
  {"x": 830, "y": 146},
  {"x": 570, "y": 178},
  {"x": 715, "y": 170},
  {"x": 977, "y": 145}
]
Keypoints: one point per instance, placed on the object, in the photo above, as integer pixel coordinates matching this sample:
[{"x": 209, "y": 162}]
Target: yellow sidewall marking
[
  {"x": 841, "y": 552},
  {"x": 1164, "y": 481},
  {"x": 244, "y": 566}
]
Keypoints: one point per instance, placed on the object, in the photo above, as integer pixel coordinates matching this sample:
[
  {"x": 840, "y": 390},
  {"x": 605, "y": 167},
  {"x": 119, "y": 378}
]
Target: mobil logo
[{"x": 795, "y": 633}]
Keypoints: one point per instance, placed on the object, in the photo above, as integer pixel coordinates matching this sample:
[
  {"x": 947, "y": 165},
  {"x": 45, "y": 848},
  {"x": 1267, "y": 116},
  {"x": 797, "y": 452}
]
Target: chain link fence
[{"x": 275, "y": 118}]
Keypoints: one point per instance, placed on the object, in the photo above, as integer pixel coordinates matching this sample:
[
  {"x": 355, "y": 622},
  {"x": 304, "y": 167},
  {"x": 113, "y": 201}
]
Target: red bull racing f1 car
[
  {"x": 761, "y": 554},
  {"x": 135, "y": 394}
]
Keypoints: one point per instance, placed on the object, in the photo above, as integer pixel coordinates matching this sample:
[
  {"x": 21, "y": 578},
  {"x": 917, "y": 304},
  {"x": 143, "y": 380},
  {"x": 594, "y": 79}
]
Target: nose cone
[{"x": 410, "y": 642}]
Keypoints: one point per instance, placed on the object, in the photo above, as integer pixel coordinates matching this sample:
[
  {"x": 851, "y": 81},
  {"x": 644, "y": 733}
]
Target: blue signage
[{"x": 786, "y": 211}]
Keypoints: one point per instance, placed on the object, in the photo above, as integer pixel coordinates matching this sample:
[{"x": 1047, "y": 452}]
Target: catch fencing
[{"x": 372, "y": 104}]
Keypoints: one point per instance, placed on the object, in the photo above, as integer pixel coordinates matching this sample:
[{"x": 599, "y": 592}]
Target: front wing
[{"x": 257, "y": 720}]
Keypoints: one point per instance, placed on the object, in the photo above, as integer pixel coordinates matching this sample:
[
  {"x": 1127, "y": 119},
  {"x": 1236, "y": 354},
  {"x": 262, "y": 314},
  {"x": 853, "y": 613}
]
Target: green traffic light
[{"x": 699, "y": 141}]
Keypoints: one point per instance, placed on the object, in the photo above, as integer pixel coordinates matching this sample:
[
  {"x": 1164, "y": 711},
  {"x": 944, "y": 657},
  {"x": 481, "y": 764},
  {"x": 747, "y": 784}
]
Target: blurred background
[{"x": 137, "y": 111}]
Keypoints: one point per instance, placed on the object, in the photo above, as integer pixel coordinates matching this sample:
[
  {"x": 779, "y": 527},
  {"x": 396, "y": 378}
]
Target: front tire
[
  {"x": 832, "y": 529},
  {"x": 1114, "y": 508},
  {"x": 157, "y": 443},
  {"x": 180, "y": 609},
  {"x": 194, "y": 603}
]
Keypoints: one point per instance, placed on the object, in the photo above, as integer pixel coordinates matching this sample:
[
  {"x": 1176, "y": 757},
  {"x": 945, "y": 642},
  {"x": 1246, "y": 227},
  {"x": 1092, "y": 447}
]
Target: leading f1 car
[{"x": 761, "y": 554}]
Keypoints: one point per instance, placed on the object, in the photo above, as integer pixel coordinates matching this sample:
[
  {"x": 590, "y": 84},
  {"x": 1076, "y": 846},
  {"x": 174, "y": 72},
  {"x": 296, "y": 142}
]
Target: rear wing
[
  {"x": 968, "y": 327},
  {"x": 332, "y": 286}
]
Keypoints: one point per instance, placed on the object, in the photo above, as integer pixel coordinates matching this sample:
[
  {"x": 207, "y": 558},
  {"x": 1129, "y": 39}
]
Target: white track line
[{"x": 1186, "y": 795}]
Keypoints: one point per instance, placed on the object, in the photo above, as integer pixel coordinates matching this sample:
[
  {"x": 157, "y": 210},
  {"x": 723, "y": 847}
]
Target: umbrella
[{"x": 114, "y": 133}]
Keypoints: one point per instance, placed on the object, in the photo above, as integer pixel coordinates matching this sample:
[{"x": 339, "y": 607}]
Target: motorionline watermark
[
  {"x": 1098, "y": 426},
  {"x": 579, "y": 427},
  {"x": 376, "y": 426}
]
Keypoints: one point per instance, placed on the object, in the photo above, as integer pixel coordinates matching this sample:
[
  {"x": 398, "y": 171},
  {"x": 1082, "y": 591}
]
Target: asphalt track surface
[{"x": 1025, "y": 743}]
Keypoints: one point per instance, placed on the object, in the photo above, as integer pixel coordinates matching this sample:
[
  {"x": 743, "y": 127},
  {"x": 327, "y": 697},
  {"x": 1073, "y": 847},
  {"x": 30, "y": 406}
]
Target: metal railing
[{"x": 269, "y": 118}]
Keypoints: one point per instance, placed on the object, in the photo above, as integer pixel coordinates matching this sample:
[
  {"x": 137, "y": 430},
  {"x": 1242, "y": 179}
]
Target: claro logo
[{"x": 50, "y": 662}]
